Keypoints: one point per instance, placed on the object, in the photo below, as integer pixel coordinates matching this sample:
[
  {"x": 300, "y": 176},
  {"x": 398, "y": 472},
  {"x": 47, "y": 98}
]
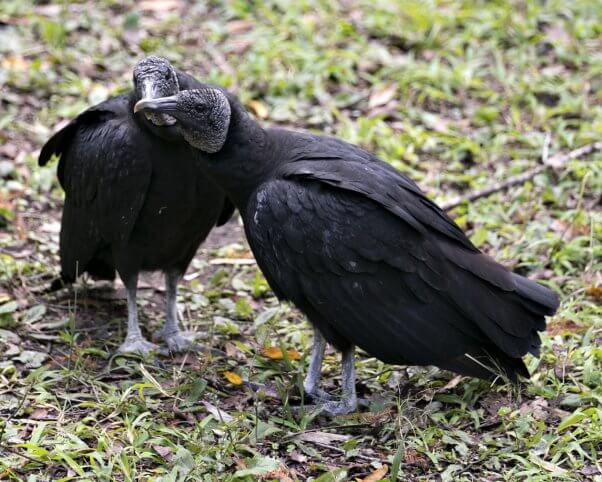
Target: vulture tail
[
  {"x": 536, "y": 297},
  {"x": 489, "y": 364}
]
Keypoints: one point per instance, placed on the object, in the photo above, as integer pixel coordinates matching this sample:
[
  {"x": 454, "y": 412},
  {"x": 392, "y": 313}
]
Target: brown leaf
[
  {"x": 594, "y": 292},
  {"x": 275, "y": 353},
  {"x": 238, "y": 26},
  {"x": 563, "y": 326},
  {"x": 282, "y": 475},
  {"x": 382, "y": 96},
  {"x": 538, "y": 408},
  {"x": 259, "y": 109},
  {"x": 233, "y": 351},
  {"x": 414, "y": 458},
  {"x": 451, "y": 384},
  {"x": 377, "y": 475},
  {"x": 39, "y": 414},
  {"x": 164, "y": 452}
]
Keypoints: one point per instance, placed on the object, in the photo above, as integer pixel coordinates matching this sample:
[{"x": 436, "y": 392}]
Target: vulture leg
[
  {"x": 134, "y": 341},
  {"x": 312, "y": 379},
  {"x": 176, "y": 339},
  {"x": 348, "y": 402}
]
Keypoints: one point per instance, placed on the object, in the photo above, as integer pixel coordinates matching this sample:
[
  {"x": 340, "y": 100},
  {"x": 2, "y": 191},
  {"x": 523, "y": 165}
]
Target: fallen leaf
[
  {"x": 164, "y": 452},
  {"x": 322, "y": 437},
  {"x": 382, "y": 96},
  {"x": 232, "y": 351},
  {"x": 260, "y": 109},
  {"x": 562, "y": 326},
  {"x": 451, "y": 384},
  {"x": 233, "y": 378},
  {"x": 217, "y": 413},
  {"x": 238, "y": 26},
  {"x": 9, "y": 336},
  {"x": 594, "y": 292},
  {"x": 53, "y": 227},
  {"x": 377, "y": 475},
  {"x": 15, "y": 63},
  {"x": 275, "y": 353},
  {"x": 414, "y": 458},
  {"x": 31, "y": 359},
  {"x": 158, "y": 5},
  {"x": 538, "y": 408},
  {"x": 39, "y": 414}
]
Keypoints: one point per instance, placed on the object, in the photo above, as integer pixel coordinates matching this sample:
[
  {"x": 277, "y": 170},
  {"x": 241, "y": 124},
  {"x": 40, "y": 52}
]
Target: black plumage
[
  {"x": 134, "y": 199},
  {"x": 371, "y": 261}
]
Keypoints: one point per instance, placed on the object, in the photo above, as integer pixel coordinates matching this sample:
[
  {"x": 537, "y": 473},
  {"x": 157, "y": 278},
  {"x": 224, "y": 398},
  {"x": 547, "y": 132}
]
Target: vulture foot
[
  {"x": 179, "y": 341},
  {"x": 138, "y": 344}
]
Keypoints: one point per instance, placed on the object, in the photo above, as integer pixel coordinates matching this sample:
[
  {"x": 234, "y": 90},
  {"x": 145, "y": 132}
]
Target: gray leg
[
  {"x": 312, "y": 379},
  {"x": 134, "y": 341},
  {"x": 176, "y": 339},
  {"x": 348, "y": 401}
]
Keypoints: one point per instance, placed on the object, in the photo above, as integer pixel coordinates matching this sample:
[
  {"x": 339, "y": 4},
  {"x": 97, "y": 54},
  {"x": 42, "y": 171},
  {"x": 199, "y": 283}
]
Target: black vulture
[
  {"x": 360, "y": 249},
  {"x": 127, "y": 209}
]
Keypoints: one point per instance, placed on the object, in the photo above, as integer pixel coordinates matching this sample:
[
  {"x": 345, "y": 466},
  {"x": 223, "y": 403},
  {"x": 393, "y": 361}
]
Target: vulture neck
[{"x": 243, "y": 163}]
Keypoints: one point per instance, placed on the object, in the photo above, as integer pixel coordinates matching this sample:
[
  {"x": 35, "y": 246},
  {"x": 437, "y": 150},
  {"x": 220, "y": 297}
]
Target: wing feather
[{"x": 393, "y": 281}]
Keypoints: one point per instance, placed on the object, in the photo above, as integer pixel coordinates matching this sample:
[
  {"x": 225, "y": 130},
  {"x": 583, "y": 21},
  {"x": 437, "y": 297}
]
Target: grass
[{"x": 455, "y": 94}]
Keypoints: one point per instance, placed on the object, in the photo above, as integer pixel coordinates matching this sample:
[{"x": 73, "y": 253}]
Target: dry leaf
[
  {"x": 322, "y": 437},
  {"x": 158, "y": 5},
  {"x": 414, "y": 458},
  {"x": 275, "y": 353},
  {"x": 260, "y": 109},
  {"x": 562, "y": 326},
  {"x": 451, "y": 384},
  {"x": 382, "y": 96},
  {"x": 39, "y": 414},
  {"x": 15, "y": 62},
  {"x": 238, "y": 26},
  {"x": 594, "y": 292},
  {"x": 164, "y": 452},
  {"x": 233, "y": 378},
  {"x": 217, "y": 413},
  {"x": 377, "y": 475}
]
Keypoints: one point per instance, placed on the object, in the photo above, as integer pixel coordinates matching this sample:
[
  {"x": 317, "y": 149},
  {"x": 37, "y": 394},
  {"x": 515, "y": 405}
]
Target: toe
[
  {"x": 179, "y": 342},
  {"x": 137, "y": 345}
]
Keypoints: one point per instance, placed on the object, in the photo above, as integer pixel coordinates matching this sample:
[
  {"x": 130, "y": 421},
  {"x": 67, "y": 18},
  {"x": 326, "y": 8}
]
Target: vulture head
[
  {"x": 202, "y": 115},
  {"x": 155, "y": 77}
]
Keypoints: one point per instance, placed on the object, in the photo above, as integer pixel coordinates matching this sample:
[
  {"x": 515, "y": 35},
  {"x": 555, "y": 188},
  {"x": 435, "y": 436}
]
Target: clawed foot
[
  {"x": 319, "y": 396},
  {"x": 178, "y": 341},
  {"x": 137, "y": 344}
]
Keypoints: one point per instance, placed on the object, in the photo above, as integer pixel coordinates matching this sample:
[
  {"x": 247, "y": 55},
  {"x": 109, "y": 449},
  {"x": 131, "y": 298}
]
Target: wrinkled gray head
[
  {"x": 203, "y": 116},
  {"x": 155, "y": 77}
]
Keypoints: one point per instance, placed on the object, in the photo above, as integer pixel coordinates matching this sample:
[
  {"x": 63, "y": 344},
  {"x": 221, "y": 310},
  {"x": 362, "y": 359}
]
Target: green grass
[{"x": 457, "y": 95}]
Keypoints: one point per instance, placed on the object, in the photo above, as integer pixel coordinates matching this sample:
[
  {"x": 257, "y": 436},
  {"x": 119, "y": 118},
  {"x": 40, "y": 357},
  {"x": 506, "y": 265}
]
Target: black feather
[
  {"x": 370, "y": 259},
  {"x": 126, "y": 207}
]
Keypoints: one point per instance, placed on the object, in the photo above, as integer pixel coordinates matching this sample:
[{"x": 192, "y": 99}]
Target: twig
[{"x": 554, "y": 162}]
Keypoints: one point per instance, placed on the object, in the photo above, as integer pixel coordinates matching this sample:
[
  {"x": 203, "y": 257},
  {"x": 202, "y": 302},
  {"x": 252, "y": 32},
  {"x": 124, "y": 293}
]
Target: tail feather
[
  {"x": 534, "y": 293},
  {"x": 488, "y": 364}
]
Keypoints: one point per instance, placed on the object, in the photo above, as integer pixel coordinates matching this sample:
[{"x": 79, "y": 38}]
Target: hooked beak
[{"x": 162, "y": 105}]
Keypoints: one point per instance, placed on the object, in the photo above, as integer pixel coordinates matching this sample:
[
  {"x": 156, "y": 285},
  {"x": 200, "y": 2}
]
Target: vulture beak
[{"x": 162, "y": 104}]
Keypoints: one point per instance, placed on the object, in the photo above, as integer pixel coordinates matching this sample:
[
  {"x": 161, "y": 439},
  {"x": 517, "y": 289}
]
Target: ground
[{"x": 458, "y": 95}]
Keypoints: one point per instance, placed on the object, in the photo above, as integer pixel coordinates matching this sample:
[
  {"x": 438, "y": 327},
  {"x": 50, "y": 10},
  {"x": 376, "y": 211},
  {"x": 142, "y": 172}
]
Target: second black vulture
[
  {"x": 359, "y": 248},
  {"x": 126, "y": 208}
]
